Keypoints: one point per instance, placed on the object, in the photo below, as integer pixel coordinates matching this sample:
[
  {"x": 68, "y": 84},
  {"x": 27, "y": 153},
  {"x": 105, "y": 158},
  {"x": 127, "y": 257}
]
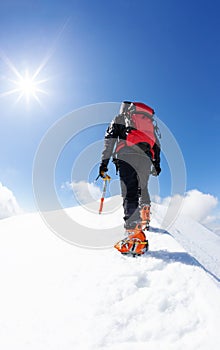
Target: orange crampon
[{"x": 135, "y": 243}]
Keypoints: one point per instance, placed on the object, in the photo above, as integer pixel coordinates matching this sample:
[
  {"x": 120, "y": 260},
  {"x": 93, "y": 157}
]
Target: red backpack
[{"x": 140, "y": 125}]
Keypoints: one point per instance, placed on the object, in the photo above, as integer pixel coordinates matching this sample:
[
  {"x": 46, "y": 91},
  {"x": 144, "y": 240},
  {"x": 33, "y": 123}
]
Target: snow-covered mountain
[{"x": 56, "y": 296}]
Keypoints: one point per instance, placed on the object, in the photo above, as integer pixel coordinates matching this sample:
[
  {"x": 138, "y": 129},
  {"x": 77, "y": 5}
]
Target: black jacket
[{"x": 117, "y": 131}]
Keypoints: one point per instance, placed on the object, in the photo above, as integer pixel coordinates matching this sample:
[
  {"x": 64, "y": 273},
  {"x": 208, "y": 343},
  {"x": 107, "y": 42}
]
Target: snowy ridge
[
  {"x": 200, "y": 242},
  {"x": 56, "y": 296},
  {"x": 197, "y": 240}
]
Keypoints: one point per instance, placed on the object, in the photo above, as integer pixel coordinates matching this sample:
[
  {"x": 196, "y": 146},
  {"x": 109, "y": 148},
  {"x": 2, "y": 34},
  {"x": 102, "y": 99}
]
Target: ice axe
[{"x": 105, "y": 178}]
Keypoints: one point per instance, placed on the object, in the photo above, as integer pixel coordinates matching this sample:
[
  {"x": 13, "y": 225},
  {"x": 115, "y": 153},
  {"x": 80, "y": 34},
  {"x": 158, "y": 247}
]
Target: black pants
[{"x": 134, "y": 170}]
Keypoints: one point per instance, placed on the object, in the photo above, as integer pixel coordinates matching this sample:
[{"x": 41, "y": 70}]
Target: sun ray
[
  {"x": 42, "y": 91},
  {"x": 10, "y": 64},
  {"x": 37, "y": 99},
  {"x": 8, "y": 93},
  {"x": 52, "y": 49},
  {"x": 19, "y": 98}
]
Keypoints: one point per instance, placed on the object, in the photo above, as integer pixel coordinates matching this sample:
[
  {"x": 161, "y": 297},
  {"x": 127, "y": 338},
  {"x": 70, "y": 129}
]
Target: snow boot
[
  {"x": 135, "y": 243},
  {"x": 145, "y": 217}
]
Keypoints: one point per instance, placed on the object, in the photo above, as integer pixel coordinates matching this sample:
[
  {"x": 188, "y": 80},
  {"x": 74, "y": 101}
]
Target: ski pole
[{"x": 104, "y": 188}]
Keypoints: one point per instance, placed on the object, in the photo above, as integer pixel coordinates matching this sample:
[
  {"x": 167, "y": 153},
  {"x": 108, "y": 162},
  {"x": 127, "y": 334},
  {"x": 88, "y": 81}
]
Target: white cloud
[
  {"x": 8, "y": 203},
  {"x": 199, "y": 206},
  {"x": 84, "y": 192}
]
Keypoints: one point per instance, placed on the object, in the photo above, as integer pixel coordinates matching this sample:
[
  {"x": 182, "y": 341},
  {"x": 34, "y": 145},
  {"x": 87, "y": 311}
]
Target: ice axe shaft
[
  {"x": 101, "y": 205},
  {"x": 107, "y": 178}
]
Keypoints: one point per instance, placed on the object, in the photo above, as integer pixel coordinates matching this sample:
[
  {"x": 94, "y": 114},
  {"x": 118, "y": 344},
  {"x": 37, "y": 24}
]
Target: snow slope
[
  {"x": 56, "y": 296},
  {"x": 201, "y": 243}
]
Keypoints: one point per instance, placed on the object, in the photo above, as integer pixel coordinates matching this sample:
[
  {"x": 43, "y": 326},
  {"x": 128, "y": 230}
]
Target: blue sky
[{"x": 164, "y": 53}]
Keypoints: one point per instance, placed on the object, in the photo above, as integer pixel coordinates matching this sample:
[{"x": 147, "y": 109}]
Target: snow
[
  {"x": 200, "y": 242},
  {"x": 56, "y": 296}
]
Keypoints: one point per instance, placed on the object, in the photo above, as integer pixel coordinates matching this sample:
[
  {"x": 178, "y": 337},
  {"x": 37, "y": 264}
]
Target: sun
[
  {"x": 28, "y": 87},
  {"x": 25, "y": 85}
]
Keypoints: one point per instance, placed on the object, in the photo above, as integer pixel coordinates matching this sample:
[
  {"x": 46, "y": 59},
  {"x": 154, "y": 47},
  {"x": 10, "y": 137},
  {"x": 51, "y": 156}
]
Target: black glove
[
  {"x": 156, "y": 170},
  {"x": 103, "y": 169}
]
